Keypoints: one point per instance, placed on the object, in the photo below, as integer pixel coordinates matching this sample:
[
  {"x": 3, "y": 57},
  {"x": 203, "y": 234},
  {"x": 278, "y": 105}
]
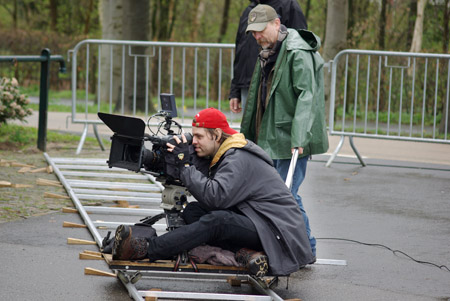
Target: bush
[{"x": 13, "y": 104}]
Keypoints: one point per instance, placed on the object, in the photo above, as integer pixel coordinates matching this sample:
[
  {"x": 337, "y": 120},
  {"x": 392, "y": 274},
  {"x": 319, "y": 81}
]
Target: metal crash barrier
[
  {"x": 127, "y": 77},
  {"x": 389, "y": 95}
]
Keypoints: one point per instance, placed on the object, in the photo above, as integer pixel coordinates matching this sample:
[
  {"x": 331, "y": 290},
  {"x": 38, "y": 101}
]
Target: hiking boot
[
  {"x": 127, "y": 247},
  {"x": 256, "y": 262}
]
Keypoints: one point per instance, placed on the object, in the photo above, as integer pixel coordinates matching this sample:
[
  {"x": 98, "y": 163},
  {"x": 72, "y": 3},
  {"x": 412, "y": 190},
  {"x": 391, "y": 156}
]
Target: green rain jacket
[{"x": 295, "y": 113}]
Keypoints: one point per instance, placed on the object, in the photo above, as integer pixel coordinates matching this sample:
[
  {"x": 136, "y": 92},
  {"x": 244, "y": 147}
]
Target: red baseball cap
[{"x": 212, "y": 119}]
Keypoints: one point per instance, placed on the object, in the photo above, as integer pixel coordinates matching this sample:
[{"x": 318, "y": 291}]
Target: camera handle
[{"x": 166, "y": 124}]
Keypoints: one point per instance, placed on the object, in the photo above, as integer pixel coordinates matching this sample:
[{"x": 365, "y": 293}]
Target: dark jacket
[
  {"x": 245, "y": 178},
  {"x": 247, "y": 49},
  {"x": 294, "y": 116}
]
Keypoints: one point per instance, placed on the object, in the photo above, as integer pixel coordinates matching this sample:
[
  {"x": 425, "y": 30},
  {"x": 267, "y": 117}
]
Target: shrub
[{"x": 13, "y": 104}]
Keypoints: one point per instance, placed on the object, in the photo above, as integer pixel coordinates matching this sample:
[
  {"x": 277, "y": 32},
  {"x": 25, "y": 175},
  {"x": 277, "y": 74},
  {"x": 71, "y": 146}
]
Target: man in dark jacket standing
[
  {"x": 286, "y": 105},
  {"x": 241, "y": 203},
  {"x": 247, "y": 49}
]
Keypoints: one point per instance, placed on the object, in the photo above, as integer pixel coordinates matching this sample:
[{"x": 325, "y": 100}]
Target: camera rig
[{"x": 128, "y": 151}]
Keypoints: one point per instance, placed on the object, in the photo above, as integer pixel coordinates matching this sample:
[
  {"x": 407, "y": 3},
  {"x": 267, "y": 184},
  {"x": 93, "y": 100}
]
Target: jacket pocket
[
  {"x": 282, "y": 139},
  {"x": 283, "y": 123}
]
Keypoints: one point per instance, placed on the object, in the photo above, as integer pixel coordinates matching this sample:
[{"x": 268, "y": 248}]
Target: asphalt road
[
  {"x": 398, "y": 203},
  {"x": 403, "y": 206}
]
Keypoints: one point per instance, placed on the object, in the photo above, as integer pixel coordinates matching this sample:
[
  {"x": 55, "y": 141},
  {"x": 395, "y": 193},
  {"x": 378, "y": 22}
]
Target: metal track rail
[{"x": 87, "y": 180}]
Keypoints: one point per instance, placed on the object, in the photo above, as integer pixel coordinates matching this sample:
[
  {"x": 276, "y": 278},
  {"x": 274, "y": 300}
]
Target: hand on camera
[{"x": 177, "y": 156}]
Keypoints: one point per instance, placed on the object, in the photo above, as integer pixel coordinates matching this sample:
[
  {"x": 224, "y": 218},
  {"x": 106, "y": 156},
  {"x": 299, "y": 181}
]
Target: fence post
[{"x": 43, "y": 100}]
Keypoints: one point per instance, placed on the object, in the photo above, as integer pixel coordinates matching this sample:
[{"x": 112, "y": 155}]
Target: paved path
[
  {"x": 404, "y": 209},
  {"x": 401, "y": 200},
  {"x": 431, "y": 153}
]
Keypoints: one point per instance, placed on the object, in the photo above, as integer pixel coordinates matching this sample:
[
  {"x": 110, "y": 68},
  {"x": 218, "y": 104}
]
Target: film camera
[{"x": 128, "y": 151}]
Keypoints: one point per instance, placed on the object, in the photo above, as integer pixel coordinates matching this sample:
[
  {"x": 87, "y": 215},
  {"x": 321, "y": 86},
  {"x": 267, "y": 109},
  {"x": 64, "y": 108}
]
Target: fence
[
  {"x": 45, "y": 58},
  {"x": 389, "y": 95},
  {"x": 373, "y": 94},
  {"x": 125, "y": 77}
]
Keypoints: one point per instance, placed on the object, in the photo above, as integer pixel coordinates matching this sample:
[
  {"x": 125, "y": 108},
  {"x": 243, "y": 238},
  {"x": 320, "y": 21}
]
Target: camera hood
[{"x": 124, "y": 125}]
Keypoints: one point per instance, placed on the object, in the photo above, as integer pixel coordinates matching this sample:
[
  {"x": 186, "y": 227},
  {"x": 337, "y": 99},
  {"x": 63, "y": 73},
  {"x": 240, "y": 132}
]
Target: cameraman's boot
[
  {"x": 256, "y": 262},
  {"x": 127, "y": 247}
]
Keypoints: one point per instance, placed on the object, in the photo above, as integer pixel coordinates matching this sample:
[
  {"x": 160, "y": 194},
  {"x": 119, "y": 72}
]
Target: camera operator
[{"x": 242, "y": 205}]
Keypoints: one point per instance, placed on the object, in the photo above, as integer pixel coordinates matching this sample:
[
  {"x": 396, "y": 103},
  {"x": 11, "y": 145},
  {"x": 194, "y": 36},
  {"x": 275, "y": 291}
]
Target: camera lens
[{"x": 132, "y": 153}]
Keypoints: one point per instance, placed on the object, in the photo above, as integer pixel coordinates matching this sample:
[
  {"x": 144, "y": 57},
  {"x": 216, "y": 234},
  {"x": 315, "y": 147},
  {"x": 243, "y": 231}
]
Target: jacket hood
[
  {"x": 239, "y": 141},
  {"x": 309, "y": 41},
  {"x": 255, "y": 149},
  {"x": 235, "y": 141}
]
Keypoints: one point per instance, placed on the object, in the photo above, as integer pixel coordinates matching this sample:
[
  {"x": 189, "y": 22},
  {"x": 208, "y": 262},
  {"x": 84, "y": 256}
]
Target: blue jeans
[{"x": 282, "y": 166}]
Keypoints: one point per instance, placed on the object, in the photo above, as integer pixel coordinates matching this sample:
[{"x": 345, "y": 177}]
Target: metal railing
[
  {"x": 127, "y": 77},
  {"x": 45, "y": 58},
  {"x": 389, "y": 95}
]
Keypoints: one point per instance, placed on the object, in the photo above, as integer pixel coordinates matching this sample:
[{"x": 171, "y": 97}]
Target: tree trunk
[
  {"x": 382, "y": 26},
  {"x": 445, "y": 107},
  {"x": 224, "y": 24},
  {"x": 110, "y": 13},
  {"x": 382, "y": 46},
  {"x": 135, "y": 22},
  {"x": 411, "y": 21},
  {"x": 163, "y": 19},
  {"x": 324, "y": 34},
  {"x": 199, "y": 6},
  {"x": 336, "y": 33},
  {"x": 87, "y": 22},
  {"x": 53, "y": 14},
  {"x": 223, "y": 30},
  {"x": 416, "y": 44},
  {"x": 446, "y": 27},
  {"x": 172, "y": 17},
  {"x": 308, "y": 6}
]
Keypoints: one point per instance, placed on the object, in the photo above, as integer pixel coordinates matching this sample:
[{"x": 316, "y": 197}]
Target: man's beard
[{"x": 265, "y": 44}]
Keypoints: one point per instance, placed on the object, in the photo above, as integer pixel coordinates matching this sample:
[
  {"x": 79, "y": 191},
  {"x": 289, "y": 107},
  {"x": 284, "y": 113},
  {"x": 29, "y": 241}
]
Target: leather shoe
[
  {"x": 256, "y": 262},
  {"x": 127, "y": 247}
]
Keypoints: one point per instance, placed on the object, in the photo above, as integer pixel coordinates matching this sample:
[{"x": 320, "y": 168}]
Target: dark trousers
[{"x": 226, "y": 229}]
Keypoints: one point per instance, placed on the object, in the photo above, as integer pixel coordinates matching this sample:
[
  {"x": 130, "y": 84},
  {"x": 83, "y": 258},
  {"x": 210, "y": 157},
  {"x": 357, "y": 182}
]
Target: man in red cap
[{"x": 242, "y": 204}]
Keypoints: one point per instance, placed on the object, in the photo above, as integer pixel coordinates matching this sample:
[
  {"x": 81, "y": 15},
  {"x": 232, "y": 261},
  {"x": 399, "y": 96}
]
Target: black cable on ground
[{"x": 442, "y": 267}]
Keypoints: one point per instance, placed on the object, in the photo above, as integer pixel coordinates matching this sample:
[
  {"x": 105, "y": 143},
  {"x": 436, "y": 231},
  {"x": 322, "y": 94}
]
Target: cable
[{"x": 442, "y": 267}]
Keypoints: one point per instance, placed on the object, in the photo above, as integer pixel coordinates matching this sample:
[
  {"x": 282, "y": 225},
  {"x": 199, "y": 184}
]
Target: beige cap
[{"x": 259, "y": 17}]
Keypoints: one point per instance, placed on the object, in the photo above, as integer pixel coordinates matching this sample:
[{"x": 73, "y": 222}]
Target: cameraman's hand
[{"x": 180, "y": 151}]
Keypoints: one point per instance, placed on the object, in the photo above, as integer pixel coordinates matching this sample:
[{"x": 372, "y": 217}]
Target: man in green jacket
[{"x": 286, "y": 106}]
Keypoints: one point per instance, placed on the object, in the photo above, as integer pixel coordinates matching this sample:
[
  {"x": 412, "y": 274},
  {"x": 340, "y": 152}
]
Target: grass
[
  {"x": 57, "y": 105},
  {"x": 393, "y": 117},
  {"x": 33, "y": 90},
  {"x": 25, "y": 137}
]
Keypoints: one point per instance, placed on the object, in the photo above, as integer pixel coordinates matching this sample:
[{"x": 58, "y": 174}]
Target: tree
[
  {"x": 163, "y": 19},
  {"x": 223, "y": 29},
  {"x": 416, "y": 44},
  {"x": 336, "y": 33},
  {"x": 53, "y": 14},
  {"x": 445, "y": 107},
  {"x": 111, "y": 23},
  {"x": 382, "y": 26},
  {"x": 135, "y": 26},
  {"x": 199, "y": 10},
  {"x": 411, "y": 21}
]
